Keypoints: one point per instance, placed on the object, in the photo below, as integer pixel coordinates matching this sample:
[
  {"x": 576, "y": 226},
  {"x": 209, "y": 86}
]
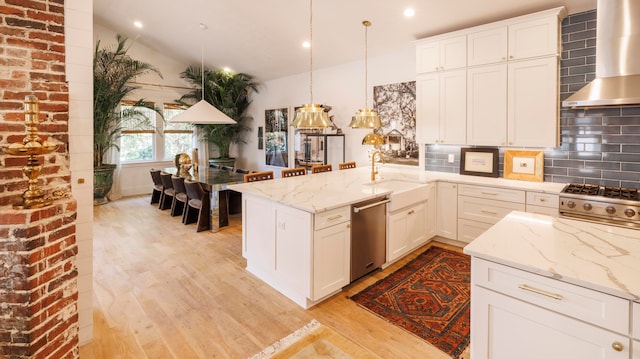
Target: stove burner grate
[
  {"x": 585, "y": 189},
  {"x": 622, "y": 193}
]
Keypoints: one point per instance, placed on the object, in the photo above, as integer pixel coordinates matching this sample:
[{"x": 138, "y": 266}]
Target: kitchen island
[
  {"x": 296, "y": 231},
  {"x": 545, "y": 287}
]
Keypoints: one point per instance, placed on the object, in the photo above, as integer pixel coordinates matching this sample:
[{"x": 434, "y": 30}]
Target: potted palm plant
[
  {"x": 229, "y": 93},
  {"x": 113, "y": 71}
]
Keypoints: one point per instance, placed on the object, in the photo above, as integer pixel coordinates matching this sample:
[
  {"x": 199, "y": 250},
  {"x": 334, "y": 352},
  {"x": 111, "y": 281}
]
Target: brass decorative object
[
  {"x": 32, "y": 146},
  {"x": 366, "y": 117}
]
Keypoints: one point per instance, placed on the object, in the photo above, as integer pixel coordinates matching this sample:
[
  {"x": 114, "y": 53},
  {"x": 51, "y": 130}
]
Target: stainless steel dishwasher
[{"x": 368, "y": 236}]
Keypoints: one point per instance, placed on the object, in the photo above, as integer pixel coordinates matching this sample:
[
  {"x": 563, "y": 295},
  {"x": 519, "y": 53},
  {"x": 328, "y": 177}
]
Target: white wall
[
  {"x": 341, "y": 87},
  {"x": 79, "y": 67}
]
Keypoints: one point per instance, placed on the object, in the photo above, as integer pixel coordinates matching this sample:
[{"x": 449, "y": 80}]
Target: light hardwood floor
[{"x": 161, "y": 290}]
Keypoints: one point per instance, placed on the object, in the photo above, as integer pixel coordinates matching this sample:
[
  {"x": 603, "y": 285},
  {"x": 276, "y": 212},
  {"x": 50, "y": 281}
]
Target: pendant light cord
[
  {"x": 366, "y": 24},
  {"x": 202, "y": 27},
  {"x": 311, "y": 51}
]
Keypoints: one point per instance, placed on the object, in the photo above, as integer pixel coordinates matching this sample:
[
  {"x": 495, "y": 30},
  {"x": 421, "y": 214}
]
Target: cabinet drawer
[
  {"x": 469, "y": 230},
  {"x": 636, "y": 321},
  {"x": 331, "y": 217},
  {"x": 485, "y": 210},
  {"x": 548, "y": 211},
  {"x": 500, "y": 194},
  {"x": 571, "y": 300},
  {"x": 542, "y": 199}
]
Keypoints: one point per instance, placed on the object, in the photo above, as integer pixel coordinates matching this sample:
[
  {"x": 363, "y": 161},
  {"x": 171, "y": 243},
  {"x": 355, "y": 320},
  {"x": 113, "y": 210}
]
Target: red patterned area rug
[{"x": 428, "y": 297}]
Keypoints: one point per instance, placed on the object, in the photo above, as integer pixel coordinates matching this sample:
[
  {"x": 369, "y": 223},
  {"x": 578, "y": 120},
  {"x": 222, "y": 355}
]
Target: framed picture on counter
[
  {"x": 524, "y": 165},
  {"x": 479, "y": 161}
]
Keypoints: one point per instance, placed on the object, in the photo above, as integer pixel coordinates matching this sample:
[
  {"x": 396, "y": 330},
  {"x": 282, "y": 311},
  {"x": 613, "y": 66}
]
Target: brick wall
[
  {"x": 600, "y": 146},
  {"x": 38, "y": 271}
]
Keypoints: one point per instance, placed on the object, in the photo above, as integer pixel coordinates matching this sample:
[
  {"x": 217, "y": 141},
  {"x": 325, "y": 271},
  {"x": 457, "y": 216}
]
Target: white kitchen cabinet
[
  {"x": 487, "y": 105},
  {"x": 447, "y": 214},
  {"x": 518, "y": 314},
  {"x": 331, "y": 259},
  {"x": 487, "y": 46},
  {"x": 534, "y": 38},
  {"x": 470, "y": 230},
  {"x": 432, "y": 210},
  {"x": 441, "y": 115},
  {"x": 636, "y": 321},
  {"x": 442, "y": 54},
  {"x": 258, "y": 237},
  {"x": 407, "y": 230},
  {"x": 532, "y": 109},
  {"x": 543, "y": 203}
]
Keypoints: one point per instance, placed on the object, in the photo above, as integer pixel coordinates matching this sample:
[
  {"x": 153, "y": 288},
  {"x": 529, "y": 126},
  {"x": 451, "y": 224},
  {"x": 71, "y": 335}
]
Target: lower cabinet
[
  {"x": 304, "y": 256},
  {"x": 543, "y": 203},
  {"x": 407, "y": 230},
  {"x": 518, "y": 314},
  {"x": 447, "y": 213}
]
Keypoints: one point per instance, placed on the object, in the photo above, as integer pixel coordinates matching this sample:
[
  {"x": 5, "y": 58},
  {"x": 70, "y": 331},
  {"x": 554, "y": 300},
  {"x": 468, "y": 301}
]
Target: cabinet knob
[
  {"x": 511, "y": 57},
  {"x": 542, "y": 199},
  {"x": 503, "y": 58},
  {"x": 617, "y": 346}
]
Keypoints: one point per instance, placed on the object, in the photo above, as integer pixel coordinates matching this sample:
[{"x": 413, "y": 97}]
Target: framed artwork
[
  {"x": 479, "y": 161},
  {"x": 276, "y": 137},
  {"x": 524, "y": 165}
]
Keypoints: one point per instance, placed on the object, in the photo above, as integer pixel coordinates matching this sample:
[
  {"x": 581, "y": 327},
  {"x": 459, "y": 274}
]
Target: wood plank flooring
[{"x": 161, "y": 290}]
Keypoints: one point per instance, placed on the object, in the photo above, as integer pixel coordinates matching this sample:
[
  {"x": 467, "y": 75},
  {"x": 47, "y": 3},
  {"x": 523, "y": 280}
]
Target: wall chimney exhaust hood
[{"x": 617, "y": 81}]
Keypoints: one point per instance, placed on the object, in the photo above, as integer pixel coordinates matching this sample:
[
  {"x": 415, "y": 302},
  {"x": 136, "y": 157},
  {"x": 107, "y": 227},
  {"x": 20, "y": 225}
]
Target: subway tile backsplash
[{"x": 598, "y": 146}]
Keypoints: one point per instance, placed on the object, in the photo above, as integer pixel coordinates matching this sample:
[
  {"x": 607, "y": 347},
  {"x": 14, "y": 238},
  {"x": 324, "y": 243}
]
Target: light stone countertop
[
  {"x": 324, "y": 191},
  {"x": 596, "y": 256}
]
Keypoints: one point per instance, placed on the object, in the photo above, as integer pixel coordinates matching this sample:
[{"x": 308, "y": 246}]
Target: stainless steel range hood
[{"x": 617, "y": 80}]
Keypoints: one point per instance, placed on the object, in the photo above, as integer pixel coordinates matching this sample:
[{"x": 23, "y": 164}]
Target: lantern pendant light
[
  {"x": 203, "y": 113},
  {"x": 311, "y": 115},
  {"x": 367, "y": 117}
]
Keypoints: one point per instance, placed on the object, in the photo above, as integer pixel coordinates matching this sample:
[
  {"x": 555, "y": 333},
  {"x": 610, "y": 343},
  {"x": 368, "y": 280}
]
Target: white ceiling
[{"x": 263, "y": 37}]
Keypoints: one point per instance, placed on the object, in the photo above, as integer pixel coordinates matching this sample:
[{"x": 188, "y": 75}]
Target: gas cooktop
[{"x": 609, "y": 204}]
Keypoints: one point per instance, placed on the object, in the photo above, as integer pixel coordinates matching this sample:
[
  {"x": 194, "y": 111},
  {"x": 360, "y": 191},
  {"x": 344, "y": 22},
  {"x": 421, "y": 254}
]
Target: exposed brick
[
  {"x": 29, "y": 24},
  {"x": 11, "y": 10},
  {"x": 46, "y": 17}
]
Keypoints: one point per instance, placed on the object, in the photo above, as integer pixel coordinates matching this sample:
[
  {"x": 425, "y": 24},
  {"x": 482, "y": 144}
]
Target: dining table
[{"x": 215, "y": 182}]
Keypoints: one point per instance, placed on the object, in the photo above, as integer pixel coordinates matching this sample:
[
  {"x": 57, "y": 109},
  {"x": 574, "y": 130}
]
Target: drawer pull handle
[
  {"x": 410, "y": 212},
  {"x": 617, "y": 346},
  {"x": 542, "y": 199},
  {"x": 489, "y": 212},
  {"x": 540, "y": 291},
  {"x": 333, "y": 218},
  {"x": 489, "y": 193}
]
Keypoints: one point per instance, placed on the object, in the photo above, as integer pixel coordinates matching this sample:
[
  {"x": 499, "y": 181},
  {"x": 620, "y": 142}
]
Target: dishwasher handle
[{"x": 358, "y": 209}]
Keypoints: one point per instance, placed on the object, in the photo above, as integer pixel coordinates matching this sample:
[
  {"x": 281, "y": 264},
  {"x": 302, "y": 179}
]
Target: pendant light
[
  {"x": 373, "y": 139},
  {"x": 311, "y": 115},
  {"x": 203, "y": 113},
  {"x": 367, "y": 117}
]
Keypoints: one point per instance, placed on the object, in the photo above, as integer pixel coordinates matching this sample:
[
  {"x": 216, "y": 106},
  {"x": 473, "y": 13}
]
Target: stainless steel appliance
[
  {"x": 614, "y": 205},
  {"x": 368, "y": 236}
]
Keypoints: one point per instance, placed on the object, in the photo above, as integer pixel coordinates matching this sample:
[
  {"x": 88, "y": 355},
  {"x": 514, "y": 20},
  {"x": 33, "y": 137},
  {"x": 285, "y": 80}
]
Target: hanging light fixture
[
  {"x": 311, "y": 115},
  {"x": 367, "y": 117},
  {"x": 203, "y": 113},
  {"x": 373, "y": 139}
]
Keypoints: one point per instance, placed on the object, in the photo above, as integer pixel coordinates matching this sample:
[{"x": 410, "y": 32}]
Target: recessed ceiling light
[
  {"x": 227, "y": 70},
  {"x": 137, "y": 24},
  {"x": 306, "y": 44},
  {"x": 409, "y": 12}
]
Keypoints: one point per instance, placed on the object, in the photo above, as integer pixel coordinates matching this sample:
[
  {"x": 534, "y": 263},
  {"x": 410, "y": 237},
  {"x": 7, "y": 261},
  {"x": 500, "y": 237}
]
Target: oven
[{"x": 605, "y": 204}]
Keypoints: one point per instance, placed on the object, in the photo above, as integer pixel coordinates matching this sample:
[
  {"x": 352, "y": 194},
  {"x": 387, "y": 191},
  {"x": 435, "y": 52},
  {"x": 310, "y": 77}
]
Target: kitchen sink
[{"x": 403, "y": 193}]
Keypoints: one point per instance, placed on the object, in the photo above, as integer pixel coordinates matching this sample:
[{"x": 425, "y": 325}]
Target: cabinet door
[
  {"x": 428, "y": 56},
  {"x": 533, "y": 103},
  {"x": 506, "y": 328},
  {"x": 397, "y": 243},
  {"x": 453, "y": 107},
  {"x": 432, "y": 210},
  {"x": 470, "y": 230},
  {"x": 447, "y": 215},
  {"x": 534, "y": 38},
  {"x": 453, "y": 53},
  {"x": 487, "y": 105},
  {"x": 428, "y": 108},
  {"x": 331, "y": 259},
  {"x": 487, "y": 47},
  {"x": 417, "y": 225},
  {"x": 293, "y": 250}
]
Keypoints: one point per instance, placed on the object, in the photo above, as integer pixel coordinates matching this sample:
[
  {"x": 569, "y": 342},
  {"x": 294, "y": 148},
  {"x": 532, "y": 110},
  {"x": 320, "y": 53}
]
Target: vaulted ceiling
[{"x": 263, "y": 37}]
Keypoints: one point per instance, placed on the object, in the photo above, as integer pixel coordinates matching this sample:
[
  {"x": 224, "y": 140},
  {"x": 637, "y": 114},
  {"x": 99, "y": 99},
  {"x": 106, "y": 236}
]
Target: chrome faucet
[{"x": 373, "y": 164}]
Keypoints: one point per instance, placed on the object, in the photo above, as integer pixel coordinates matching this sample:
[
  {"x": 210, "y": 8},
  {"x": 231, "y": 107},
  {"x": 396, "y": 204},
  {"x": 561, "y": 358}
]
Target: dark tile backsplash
[{"x": 599, "y": 146}]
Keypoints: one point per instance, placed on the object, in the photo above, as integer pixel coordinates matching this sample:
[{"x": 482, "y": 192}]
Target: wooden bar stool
[
  {"x": 258, "y": 176},
  {"x": 347, "y": 165},
  {"x": 320, "y": 168},
  {"x": 291, "y": 172}
]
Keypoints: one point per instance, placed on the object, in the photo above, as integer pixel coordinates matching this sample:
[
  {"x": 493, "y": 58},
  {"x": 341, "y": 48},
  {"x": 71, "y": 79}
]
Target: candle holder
[{"x": 32, "y": 146}]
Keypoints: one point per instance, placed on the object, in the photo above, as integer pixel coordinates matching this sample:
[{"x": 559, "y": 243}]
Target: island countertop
[
  {"x": 596, "y": 256},
  {"x": 324, "y": 191}
]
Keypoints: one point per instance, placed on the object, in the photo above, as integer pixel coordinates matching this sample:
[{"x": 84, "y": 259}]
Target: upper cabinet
[
  {"x": 441, "y": 54},
  {"x": 509, "y": 94}
]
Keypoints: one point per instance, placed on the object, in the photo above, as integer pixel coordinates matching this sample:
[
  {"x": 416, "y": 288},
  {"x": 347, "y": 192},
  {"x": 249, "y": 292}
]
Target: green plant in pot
[
  {"x": 229, "y": 93},
  {"x": 113, "y": 71}
]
